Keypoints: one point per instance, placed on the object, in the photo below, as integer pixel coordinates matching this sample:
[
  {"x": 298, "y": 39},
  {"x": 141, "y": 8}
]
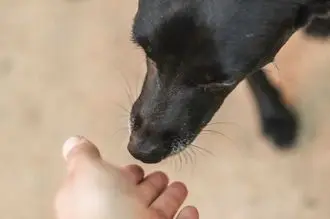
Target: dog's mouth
[{"x": 180, "y": 145}]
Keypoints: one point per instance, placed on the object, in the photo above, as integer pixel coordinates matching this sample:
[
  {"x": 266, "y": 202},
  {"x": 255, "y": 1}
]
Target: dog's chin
[
  {"x": 155, "y": 160},
  {"x": 151, "y": 161},
  {"x": 179, "y": 145}
]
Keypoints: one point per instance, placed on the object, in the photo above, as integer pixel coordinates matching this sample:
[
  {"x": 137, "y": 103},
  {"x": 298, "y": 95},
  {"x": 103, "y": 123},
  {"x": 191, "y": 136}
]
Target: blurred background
[{"x": 63, "y": 66}]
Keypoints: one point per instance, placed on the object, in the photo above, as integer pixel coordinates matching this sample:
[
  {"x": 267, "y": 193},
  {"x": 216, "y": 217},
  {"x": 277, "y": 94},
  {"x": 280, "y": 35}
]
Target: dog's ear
[{"x": 227, "y": 83}]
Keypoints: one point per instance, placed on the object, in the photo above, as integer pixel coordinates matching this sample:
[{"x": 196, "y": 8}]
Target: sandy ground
[{"x": 61, "y": 73}]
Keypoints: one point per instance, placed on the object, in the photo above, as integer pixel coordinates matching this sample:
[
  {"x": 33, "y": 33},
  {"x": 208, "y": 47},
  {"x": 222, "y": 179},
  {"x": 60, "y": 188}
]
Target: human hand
[{"x": 95, "y": 189}]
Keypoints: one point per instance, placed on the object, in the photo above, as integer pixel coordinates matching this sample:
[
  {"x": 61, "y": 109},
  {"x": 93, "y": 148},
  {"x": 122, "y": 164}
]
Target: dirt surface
[{"x": 62, "y": 69}]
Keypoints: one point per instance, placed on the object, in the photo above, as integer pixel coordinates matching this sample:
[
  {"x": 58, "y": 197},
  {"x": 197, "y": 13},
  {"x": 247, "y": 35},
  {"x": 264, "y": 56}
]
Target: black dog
[{"x": 197, "y": 51}]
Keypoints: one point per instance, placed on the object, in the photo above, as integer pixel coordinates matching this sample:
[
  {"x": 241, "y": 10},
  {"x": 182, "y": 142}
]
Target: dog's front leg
[{"x": 277, "y": 120}]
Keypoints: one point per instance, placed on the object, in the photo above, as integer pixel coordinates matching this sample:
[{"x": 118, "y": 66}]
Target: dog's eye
[
  {"x": 148, "y": 49},
  {"x": 217, "y": 86},
  {"x": 206, "y": 78},
  {"x": 151, "y": 66},
  {"x": 209, "y": 78},
  {"x": 144, "y": 43},
  {"x": 214, "y": 82}
]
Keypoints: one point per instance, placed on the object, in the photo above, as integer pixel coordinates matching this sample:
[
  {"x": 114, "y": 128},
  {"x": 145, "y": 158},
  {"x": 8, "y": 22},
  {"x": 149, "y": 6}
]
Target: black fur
[{"x": 197, "y": 51}]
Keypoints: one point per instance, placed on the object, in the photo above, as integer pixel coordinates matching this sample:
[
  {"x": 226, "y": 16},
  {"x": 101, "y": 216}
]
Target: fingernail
[
  {"x": 70, "y": 144},
  {"x": 188, "y": 212}
]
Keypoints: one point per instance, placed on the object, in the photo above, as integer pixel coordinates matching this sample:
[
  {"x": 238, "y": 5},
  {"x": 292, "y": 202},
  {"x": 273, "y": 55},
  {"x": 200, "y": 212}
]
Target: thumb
[{"x": 78, "y": 149}]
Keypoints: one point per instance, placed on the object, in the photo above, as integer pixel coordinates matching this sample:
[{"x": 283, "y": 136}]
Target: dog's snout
[{"x": 146, "y": 151}]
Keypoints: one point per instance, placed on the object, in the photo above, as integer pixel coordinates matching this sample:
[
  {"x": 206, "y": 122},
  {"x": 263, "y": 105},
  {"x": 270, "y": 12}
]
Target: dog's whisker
[
  {"x": 182, "y": 159},
  {"x": 181, "y": 162},
  {"x": 120, "y": 106},
  {"x": 194, "y": 155},
  {"x": 190, "y": 156},
  {"x": 117, "y": 131},
  {"x": 178, "y": 159},
  {"x": 201, "y": 150},
  {"x": 123, "y": 116},
  {"x": 138, "y": 85},
  {"x": 185, "y": 157},
  {"x": 125, "y": 140},
  {"x": 206, "y": 131},
  {"x": 224, "y": 123},
  {"x": 175, "y": 163},
  {"x": 128, "y": 89},
  {"x": 129, "y": 96}
]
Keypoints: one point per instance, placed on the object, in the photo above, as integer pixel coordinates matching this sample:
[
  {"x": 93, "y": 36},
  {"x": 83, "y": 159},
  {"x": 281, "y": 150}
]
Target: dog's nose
[{"x": 145, "y": 151}]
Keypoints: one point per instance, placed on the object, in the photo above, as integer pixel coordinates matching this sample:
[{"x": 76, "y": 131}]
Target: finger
[
  {"x": 170, "y": 201},
  {"x": 188, "y": 212},
  {"x": 79, "y": 147},
  {"x": 134, "y": 172},
  {"x": 152, "y": 186}
]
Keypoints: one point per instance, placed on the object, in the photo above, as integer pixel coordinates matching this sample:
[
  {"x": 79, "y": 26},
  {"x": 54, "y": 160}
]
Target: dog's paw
[{"x": 282, "y": 129}]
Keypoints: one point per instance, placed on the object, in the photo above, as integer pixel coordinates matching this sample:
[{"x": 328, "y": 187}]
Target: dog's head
[{"x": 197, "y": 51}]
